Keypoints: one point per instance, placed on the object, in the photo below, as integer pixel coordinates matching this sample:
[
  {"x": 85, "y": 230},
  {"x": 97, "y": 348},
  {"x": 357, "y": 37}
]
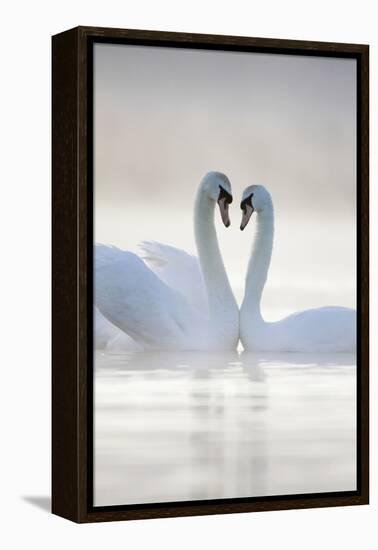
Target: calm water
[{"x": 185, "y": 426}]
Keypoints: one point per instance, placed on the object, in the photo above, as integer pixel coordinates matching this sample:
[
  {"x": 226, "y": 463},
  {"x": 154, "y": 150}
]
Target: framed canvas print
[{"x": 210, "y": 274}]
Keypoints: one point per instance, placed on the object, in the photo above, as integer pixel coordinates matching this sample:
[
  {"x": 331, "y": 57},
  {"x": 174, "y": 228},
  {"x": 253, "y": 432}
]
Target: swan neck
[
  {"x": 259, "y": 261},
  {"x": 214, "y": 273}
]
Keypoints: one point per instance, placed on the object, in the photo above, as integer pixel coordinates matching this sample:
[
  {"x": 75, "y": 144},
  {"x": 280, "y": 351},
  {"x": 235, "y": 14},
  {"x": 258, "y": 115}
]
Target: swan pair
[{"x": 170, "y": 300}]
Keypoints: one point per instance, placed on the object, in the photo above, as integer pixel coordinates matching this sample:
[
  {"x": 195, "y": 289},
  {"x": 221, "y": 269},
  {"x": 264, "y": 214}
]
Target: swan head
[
  {"x": 255, "y": 198},
  {"x": 217, "y": 187}
]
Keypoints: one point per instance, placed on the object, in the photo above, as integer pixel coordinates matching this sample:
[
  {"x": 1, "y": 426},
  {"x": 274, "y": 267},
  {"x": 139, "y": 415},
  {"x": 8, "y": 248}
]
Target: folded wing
[{"x": 134, "y": 299}]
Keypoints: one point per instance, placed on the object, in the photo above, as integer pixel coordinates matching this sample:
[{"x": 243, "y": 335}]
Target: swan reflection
[{"x": 173, "y": 426}]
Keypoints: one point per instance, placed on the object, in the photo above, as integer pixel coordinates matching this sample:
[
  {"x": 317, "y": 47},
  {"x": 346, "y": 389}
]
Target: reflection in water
[{"x": 183, "y": 426}]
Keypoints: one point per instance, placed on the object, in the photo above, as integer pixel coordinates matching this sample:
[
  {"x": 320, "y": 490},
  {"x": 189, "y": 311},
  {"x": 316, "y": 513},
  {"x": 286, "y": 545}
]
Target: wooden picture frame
[{"x": 72, "y": 292}]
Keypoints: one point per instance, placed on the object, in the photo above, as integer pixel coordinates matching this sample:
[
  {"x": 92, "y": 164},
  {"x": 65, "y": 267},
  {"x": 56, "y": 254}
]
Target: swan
[
  {"x": 188, "y": 307},
  {"x": 324, "y": 329}
]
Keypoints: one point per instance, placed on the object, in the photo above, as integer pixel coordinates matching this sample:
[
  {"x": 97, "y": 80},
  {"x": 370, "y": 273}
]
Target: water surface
[{"x": 186, "y": 426}]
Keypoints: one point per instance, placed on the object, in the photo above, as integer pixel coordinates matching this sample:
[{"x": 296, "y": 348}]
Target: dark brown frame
[{"x": 72, "y": 273}]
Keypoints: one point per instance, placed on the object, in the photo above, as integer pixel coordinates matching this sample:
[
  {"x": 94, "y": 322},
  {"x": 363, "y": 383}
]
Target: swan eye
[
  {"x": 246, "y": 202},
  {"x": 223, "y": 194}
]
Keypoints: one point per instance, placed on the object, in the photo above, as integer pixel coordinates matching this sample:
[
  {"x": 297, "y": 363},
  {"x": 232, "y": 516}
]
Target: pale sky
[{"x": 166, "y": 116}]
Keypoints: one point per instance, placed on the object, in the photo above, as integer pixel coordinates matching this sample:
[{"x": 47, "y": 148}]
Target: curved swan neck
[
  {"x": 216, "y": 281},
  {"x": 259, "y": 261}
]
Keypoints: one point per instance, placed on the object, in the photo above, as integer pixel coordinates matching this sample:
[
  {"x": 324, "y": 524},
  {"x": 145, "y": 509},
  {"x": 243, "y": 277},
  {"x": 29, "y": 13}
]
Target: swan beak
[
  {"x": 247, "y": 213},
  {"x": 223, "y": 207}
]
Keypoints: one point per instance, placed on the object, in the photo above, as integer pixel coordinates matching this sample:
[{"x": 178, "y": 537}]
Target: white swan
[
  {"x": 325, "y": 329},
  {"x": 184, "y": 308}
]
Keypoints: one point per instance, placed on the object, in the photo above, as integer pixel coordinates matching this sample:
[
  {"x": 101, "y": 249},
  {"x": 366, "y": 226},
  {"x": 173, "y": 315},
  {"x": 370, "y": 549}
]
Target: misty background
[{"x": 163, "y": 117}]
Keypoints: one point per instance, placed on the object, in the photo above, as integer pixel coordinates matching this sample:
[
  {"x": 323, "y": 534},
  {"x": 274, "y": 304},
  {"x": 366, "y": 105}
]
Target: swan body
[
  {"x": 110, "y": 338},
  {"x": 171, "y": 301},
  {"x": 173, "y": 266},
  {"x": 324, "y": 330},
  {"x": 177, "y": 269},
  {"x": 104, "y": 331}
]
